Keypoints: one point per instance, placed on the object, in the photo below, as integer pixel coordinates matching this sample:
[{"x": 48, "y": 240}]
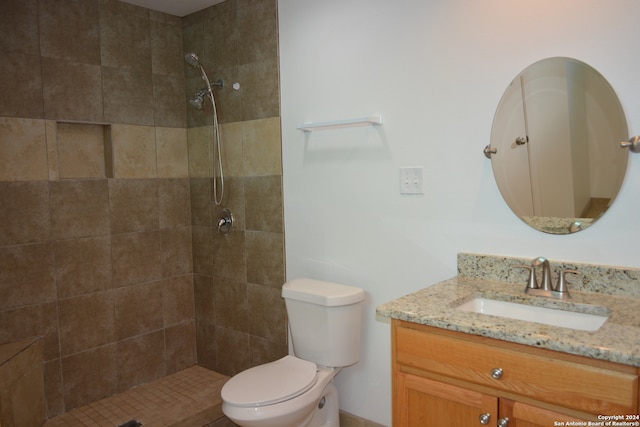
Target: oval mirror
[{"x": 557, "y": 132}]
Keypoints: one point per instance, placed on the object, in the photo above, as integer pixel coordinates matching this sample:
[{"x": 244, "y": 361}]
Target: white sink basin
[{"x": 530, "y": 313}]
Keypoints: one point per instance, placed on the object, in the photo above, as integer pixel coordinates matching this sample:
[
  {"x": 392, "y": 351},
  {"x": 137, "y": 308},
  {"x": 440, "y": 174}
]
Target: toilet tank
[{"x": 324, "y": 321}]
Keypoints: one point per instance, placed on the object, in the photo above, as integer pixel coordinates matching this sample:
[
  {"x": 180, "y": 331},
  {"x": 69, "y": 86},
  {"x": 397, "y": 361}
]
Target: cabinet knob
[
  {"x": 485, "y": 418},
  {"x": 496, "y": 373},
  {"x": 503, "y": 422}
]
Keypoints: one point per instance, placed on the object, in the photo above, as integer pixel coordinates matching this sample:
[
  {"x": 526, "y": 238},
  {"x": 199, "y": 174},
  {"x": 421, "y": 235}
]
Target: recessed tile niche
[{"x": 84, "y": 150}]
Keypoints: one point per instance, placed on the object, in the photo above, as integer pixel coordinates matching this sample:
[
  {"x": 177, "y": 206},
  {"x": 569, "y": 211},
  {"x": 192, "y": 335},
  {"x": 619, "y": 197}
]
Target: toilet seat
[{"x": 270, "y": 383}]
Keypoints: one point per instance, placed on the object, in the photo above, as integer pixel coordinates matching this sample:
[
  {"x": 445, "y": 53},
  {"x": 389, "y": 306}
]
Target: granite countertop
[{"x": 618, "y": 340}]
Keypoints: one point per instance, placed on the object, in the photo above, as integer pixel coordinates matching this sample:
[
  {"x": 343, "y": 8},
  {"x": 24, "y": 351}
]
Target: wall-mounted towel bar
[{"x": 375, "y": 119}]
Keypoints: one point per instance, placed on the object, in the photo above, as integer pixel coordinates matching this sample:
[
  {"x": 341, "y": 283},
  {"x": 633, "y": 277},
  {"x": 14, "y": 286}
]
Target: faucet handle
[
  {"x": 562, "y": 287},
  {"x": 532, "y": 283}
]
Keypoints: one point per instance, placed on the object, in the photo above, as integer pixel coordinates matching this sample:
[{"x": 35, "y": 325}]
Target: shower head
[
  {"x": 197, "y": 100},
  {"x": 192, "y": 59}
]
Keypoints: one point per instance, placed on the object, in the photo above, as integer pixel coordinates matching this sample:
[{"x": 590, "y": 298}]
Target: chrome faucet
[
  {"x": 546, "y": 272},
  {"x": 561, "y": 289}
]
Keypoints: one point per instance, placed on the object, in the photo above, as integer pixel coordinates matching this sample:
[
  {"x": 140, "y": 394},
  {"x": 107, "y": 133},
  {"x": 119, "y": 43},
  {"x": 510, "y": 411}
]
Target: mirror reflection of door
[
  {"x": 513, "y": 166},
  {"x": 570, "y": 164}
]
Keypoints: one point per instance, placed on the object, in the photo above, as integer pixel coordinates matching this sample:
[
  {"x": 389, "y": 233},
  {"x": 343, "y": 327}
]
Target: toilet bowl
[
  {"x": 284, "y": 393},
  {"x": 298, "y": 389}
]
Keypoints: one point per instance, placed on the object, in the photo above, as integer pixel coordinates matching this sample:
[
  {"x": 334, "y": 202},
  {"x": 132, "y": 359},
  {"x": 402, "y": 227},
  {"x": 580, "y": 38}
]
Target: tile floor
[{"x": 189, "y": 398}]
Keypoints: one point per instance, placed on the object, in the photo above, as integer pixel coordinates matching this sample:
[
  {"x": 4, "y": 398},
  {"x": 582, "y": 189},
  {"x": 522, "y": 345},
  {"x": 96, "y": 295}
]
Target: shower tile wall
[
  {"x": 241, "y": 320},
  {"x": 95, "y": 219}
]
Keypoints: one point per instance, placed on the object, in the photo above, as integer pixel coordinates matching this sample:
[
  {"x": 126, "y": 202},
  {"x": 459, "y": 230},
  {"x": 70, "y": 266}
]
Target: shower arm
[{"x": 219, "y": 83}]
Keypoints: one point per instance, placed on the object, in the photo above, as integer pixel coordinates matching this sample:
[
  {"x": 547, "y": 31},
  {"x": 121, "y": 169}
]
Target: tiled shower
[{"x": 107, "y": 244}]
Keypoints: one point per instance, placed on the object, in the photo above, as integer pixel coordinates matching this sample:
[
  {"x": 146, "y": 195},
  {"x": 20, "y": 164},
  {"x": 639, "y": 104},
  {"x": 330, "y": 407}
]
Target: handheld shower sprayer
[
  {"x": 192, "y": 59},
  {"x": 197, "y": 101}
]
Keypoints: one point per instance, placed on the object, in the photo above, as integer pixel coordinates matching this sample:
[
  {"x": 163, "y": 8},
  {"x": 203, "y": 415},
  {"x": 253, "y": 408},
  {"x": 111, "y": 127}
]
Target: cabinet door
[
  {"x": 523, "y": 415},
  {"x": 421, "y": 402}
]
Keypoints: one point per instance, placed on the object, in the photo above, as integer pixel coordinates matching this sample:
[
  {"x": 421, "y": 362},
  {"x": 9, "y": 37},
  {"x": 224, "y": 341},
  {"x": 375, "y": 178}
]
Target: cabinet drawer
[{"x": 592, "y": 389}]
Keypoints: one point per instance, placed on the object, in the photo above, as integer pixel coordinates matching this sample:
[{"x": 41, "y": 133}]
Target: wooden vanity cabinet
[
  {"x": 421, "y": 401},
  {"x": 447, "y": 378}
]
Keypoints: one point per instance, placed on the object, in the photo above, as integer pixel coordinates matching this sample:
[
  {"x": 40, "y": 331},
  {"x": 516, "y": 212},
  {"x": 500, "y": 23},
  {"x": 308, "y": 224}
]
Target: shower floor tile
[{"x": 189, "y": 398}]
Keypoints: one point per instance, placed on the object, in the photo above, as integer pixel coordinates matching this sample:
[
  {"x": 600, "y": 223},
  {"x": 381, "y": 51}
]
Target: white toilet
[{"x": 298, "y": 390}]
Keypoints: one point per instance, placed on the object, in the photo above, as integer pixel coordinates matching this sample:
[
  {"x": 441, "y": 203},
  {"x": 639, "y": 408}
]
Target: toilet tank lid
[{"x": 322, "y": 293}]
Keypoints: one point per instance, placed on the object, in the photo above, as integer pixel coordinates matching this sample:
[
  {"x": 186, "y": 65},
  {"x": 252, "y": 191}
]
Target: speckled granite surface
[
  {"x": 602, "y": 279},
  {"x": 553, "y": 225},
  {"x": 601, "y": 290}
]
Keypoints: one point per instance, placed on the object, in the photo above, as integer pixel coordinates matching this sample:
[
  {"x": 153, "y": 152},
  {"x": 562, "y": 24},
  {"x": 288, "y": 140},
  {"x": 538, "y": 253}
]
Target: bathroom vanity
[{"x": 459, "y": 368}]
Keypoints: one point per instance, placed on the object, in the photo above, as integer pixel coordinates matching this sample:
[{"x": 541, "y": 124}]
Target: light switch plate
[{"x": 411, "y": 180}]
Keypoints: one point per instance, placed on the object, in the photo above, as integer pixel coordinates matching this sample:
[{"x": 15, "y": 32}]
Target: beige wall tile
[
  {"x": 86, "y": 322},
  {"x": 169, "y": 100},
  {"x": 29, "y": 407},
  {"x": 258, "y": 30},
  {"x": 251, "y": 143},
  {"x": 232, "y": 310},
  {"x": 53, "y": 388},
  {"x": 134, "y": 151},
  {"x": 32, "y": 320},
  {"x": 23, "y": 150},
  {"x": 138, "y": 309},
  {"x": 206, "y": 345},
  {"x": 176, "y": 251},
  {"x": 124, "y": 38},
  {"x": 202, "y": 244},
  {"x": 261, "y": 93},
  {"x": 268, "y": 313},
  {"x": 177, "y": 300},
  {"x": 97, "y": 368},
  {"x": 128, "y": 95},
  {"x": 26, "y": 275},
  {"x": 201, "y": 194},
  {"x": 265, "y": 258},
  {"x": 200, "y": 151},
  {"x": 166, "y": 40},
  {"x": 231, "y": 362},
  {"x": 51, "y": 130},
  {"x": 19, "y": 22},
  {"x": 173, "y": 152},
  {"x": 101, "y": 78},
  {"x": 234, "y": 200},
  {"x": 263, "y": 203},
  {"x": 262, "y": 150},
  {"x": 20, "y": 86},
  {"x": 135, "y": 257},
  {"x": 231, "y": 137},
  {"x": 264, "y": 351},
  {"x": 79, "y": 208},
  {"x": 133, "y": 204},
  {"x": 24, "y": 212},
  {"x": 80, "y": 150},
  {"x": 17, "y": 358},
  {"x": 140, "y": 360},
  {"x": 229, "y": 256},
  {"x": 69, "y": 30},
  {"x": 174, "y": 202},
  {"x": 22, "y": 399},
  {"x": 180, "y": 346},
  {"x": 72, "y": 91},
  {"x": 205, "y": 327},
  {"x": 83, "y": 266}
]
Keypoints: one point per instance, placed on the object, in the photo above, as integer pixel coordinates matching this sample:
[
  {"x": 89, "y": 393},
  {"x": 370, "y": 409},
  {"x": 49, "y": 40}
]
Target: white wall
[{"x": 435, "y": 70}]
